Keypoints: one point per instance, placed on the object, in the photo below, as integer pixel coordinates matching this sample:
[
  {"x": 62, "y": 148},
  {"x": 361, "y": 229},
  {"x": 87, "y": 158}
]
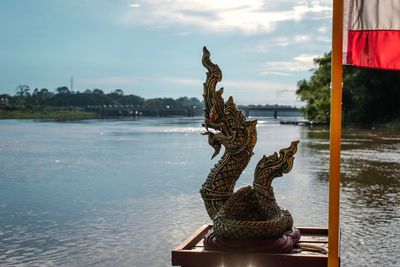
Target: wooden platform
[{"x": 191, "y": 253}]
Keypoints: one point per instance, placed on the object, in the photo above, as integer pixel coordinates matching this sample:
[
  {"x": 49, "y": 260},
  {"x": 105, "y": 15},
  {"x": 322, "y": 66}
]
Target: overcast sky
[{"x": 153, "y": 48}]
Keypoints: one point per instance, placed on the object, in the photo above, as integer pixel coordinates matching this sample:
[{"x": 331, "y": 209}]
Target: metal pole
[{"x": 335, "y": 133}]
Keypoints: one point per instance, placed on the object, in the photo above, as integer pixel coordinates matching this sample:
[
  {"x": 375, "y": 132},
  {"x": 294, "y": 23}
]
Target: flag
[{"x": 371, "y": 33}]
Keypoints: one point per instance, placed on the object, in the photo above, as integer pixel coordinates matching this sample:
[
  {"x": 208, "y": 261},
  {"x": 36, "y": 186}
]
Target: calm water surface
[{"x": 124, "y": 193}]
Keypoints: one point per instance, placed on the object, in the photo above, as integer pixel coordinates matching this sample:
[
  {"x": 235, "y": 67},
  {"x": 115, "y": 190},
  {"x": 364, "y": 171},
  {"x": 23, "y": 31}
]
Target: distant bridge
[
  {"x": 275, "y": 109},
  {"x": 136, "y": 111}
]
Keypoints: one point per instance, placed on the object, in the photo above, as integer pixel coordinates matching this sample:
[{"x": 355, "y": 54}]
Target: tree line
[
  {"x": 370, "y": 96},
  {"x": 64, "y": 97}
]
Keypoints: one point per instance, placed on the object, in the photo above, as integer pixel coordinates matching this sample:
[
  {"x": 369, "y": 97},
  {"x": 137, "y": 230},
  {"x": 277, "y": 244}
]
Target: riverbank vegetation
[
  {"x": 46, "y": 113},
  {"x": 66, "y": 104},
  {"x": 370, "y": 96}
]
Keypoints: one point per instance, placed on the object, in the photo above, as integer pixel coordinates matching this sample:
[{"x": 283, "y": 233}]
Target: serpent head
[
  {"x": 275, "y": 166},
  {"x": 229, "y": 127}
]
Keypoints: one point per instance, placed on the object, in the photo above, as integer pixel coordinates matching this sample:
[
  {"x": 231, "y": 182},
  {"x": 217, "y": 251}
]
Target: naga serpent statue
[{"x": 250, "y": 213}]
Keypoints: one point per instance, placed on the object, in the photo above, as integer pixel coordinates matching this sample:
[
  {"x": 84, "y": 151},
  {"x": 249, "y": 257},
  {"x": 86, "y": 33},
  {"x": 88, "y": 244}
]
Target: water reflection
[{"x": 370, "y": 199}]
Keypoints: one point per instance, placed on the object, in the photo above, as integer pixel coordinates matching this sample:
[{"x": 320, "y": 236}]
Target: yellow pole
[{"x": 335, "y": 133}]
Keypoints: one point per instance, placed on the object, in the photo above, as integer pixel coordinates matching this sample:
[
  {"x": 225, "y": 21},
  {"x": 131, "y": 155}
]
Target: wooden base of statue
[
  {"x": 192, "y": 252},
  {"x": 283, "y": 244}
]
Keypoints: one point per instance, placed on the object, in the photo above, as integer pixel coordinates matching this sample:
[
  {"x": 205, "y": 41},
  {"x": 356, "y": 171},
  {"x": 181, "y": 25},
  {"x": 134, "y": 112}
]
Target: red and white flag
[{"x": 372, "y": 33}]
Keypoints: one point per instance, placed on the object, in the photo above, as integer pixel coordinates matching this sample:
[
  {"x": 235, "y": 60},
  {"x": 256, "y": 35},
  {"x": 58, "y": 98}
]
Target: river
[{"x": 125, "y": 192}]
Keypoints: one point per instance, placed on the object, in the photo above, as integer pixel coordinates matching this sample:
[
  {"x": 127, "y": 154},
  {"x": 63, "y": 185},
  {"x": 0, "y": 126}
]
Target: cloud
[
  {"x": 323, "y": 29},
  {"x": 135, "y": 5},
  {"x": 275, "y": 73},
  {"x": 299, "y": 63},
  {"x": 245, "y": 16},
  {"x": 268, "y": 45},
  {"x": 300, "y": 39},
  {"x": 287, "y": 41}
]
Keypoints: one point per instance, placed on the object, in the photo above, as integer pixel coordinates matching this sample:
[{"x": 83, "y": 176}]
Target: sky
[{"x": 153, "y": 48}]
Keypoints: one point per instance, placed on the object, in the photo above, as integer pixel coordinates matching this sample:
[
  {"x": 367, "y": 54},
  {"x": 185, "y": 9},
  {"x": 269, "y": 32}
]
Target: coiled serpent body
[{"x": 251, "y": 212}]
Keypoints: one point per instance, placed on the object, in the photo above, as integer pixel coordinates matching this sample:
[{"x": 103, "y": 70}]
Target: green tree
[
  {"x": 97, "y": 91},
  {"x": 118, "y": 92},
  {"x": 188, "y": 102},
  {"x": 40, "y": 97},
  {"x": 118, "y": 96},
  {"x": 23, "y": 90},
  {"x": 369, "y": 95},
  {"x": 63, "y": 90},
  {"x": 315, "y": 92},
  {"x": 4, "y": 99},
  {"x": 161, "y": 103},
  {"x": 45, "y": 92}
]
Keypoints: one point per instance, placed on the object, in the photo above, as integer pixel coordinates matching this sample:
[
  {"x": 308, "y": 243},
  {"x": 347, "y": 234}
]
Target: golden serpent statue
[{"x": 250, "y": 213}]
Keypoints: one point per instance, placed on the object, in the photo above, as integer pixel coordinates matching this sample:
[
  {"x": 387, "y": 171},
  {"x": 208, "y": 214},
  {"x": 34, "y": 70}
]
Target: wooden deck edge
[
  {"x": 216, "y": 258},
  {"x": 194, "y": 238}
]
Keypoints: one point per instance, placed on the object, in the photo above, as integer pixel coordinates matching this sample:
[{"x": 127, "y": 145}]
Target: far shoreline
[{"x": 48, "y": 115}]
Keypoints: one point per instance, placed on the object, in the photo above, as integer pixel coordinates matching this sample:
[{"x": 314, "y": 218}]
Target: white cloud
[
  {"x": 287, "y": 41},
  {"x": 299, "y": 63},
  {"x": 135, "y": 5},
  {"x": 275, "y": 73},
  {"x": 300, "y": 39},
  {"x": 323, "y": 29},
  {"x": 246, "y": 16},
  {"x": 264, "y": 46},
  {"x": 305, "y": 8},
  {"x": 281, "y": 41}
]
